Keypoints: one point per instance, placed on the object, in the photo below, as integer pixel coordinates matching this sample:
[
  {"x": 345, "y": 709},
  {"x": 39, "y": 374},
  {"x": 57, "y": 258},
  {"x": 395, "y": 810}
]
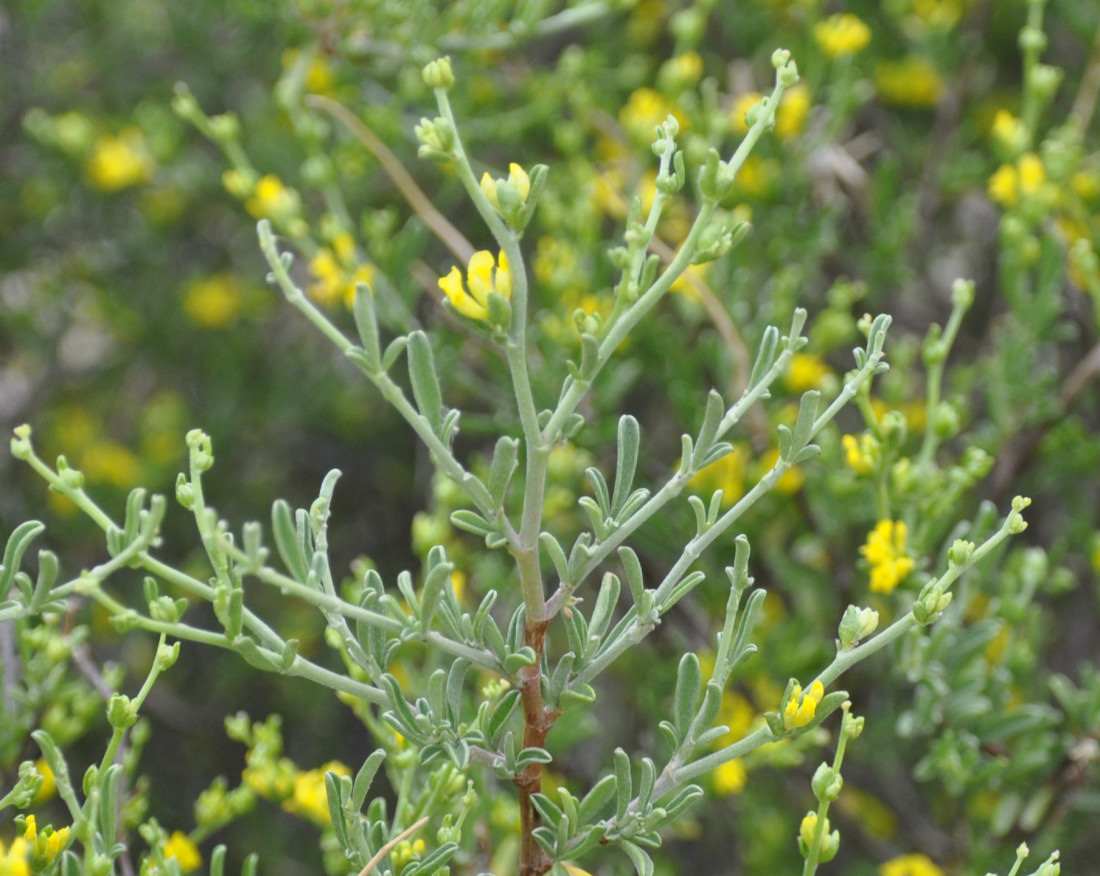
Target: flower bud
[{"x": 438, "y": 73}]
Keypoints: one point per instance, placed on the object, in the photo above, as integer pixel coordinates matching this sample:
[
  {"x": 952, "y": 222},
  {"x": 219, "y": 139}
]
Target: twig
[
  {"x": 389, "y": 847},
  {"x": 421, "y": 204}
]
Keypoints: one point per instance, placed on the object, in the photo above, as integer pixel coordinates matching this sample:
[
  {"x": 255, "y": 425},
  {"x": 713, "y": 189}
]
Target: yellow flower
[
  {"x": 911, "y": 82},
  {"x": 42, "y": 849},
  {"x": 48, "y": 787},
  {"x": 806, "y": 371},
  {"x": 484, "y": 278},
  {"x": 861, "y": 453},
  {"x": 1009, "y": 131},
  {"x": 458, "y": 584},
  {"x": 272, "y": 200},
  {"x": 757, "y": 177},
  {"x": 108, "y": 462},
  {"x": 682, "y": 71},
  {"x": 842, "y": 34},
  {"x": 730, "y": 777},
  {"x": 309, "y": 797},
  {"x": 800, "y": 709},
  {"x": 1004, "y": 186},
  {"x": 119, "y": 162},
  {"x": 1032, "y": 174},
  {"x": 1012, "y": 183},
  {"x": 909, "y": 865},
  {"x": 214, "y": 302},
  {"x": 645, "y": 109},
  {"x": 517, "y": 178},
  {"x": 736, "y": 713},
  {"x": 741, "y": 106},
  {"x": 938, "y": 14},
  {"x": 792, "y": 112},
  {"x": 13, "y": 861},
  {"x": 180, "y": 847},
  {"x": 885, "y": 552},
  {"x": 333, "y": 281}
]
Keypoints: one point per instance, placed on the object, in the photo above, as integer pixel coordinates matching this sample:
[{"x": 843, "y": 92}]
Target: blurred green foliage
[{"x": 133, "y": 308}]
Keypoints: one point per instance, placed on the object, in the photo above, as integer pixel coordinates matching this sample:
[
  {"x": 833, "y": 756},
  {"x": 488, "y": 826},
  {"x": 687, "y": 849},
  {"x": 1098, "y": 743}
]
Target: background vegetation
[{"x": 935, "y": 143}]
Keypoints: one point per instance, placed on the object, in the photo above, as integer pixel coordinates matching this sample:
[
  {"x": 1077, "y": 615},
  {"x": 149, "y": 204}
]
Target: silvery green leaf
[
  {"x": 431, "y": 863},
  {"x": 643, "y": 864},
  {"x": 472, "y": 522},
  {"x": 109, "y": 802},
  {"x": 590, "y": 840},
  {"x": 425, "y": 382},
  {"x": 366, "y": 323},
  {"x": 336, "y": 809},
  {"x": 626, "y": 462},
  {"x": 765, "y": 356},
  {"x": 456, "y": 679},
  {"x": 722, "y": 448},
  {"x": 708, "y": 431},
  {"x": 286, "y": 541},
  {"x": 437, "y": 580},
  {"x": 498, "y": 717},
  {"x": 700, "y": 512},
  {"x": 520, "y": 659},
  {"x": 807, "y": 415},
  {"x": 598, "y": 796},
  {"x": 632, "y": 568},
  {"x": 682, "y": 589},
  {"x": 599, "y": 487},
  {"x": 557, "y": 556},
  {"x": 810, "y": 451},
  {"x": 395, "y": 348},
  {"x": 560, "y": 676},
  {"x": 602, "y": 612},
  {"x": 624, "y": 783},
  {"x": 596, "y": 517},
  {"x": 683, "y": 799},
  {"x": 689, "y": 680},
  {"x": 531, "y": 756},
  {"x": 549, "y": 811},
  {"x": 578, "y": 693},
  {"x": 786, "y": 442},
  {"x": 364, "y": 777},
  {"x": 647, "y": 779},
  {"x": 502, "y": 468},
  {"x": 47, "y": 577}
]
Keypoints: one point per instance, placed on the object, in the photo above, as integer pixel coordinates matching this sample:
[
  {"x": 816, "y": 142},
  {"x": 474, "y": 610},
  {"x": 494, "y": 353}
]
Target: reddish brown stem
[{"x": 538, "y": 719}]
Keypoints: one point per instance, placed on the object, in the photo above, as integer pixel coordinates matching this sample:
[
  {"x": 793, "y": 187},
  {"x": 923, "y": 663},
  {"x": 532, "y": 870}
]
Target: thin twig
[
  {"x": 421, "y": 204},
  {"x": 389, "y": 847}
]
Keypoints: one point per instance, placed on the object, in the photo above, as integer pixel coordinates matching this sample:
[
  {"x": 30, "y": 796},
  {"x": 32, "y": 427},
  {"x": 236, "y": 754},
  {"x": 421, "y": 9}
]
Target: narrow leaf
[{"x": 626, "y": 462}]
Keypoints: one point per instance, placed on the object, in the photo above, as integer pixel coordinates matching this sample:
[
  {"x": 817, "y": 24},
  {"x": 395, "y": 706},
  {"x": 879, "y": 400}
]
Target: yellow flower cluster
[
  {"x": 909, "y": 865},
  {"x": 730, "y": 778},
  {"x": 309, "y": 798},
  {"x": 517, "y": 178},
  {"x": 806, "y": 371},
  {"x": 1009, "y": 132},
  {"x": 337, "y": 272},
  {"x": 269, "y": 199},
  {"x": 910, "y": 82},
  {"x": 483, "y": 276},
  {"x": 645, "y": 109},
  {"x": 800, "y": 709},
  {"x": 186, "y": 853},
  {"x": 1013, "y": 183},
  {"x": 39, "y": 850},
  {"x": 214, "y": 302},
  {"x": 860, "y": 453},
  {"x": 119, "y": 162},
  {"x": 841, "y": 35},
  {"x": 885, "y": 552}
]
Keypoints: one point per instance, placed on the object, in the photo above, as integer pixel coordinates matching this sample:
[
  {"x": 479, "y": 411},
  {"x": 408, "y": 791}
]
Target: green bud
[
  {"x": 962, "y": 294},
  {"x": 1045, "y": 80},
  {"x": 167, "y": 655},
  {"x": 1016, "y": 523},
  {"x": 70, "y": 477},
  {"x": 185, "y": 492},
  {"x": 856, "y": 625},
  {"x": 438, "y": 73},
  {"x": 826, "y": 783},
  {"x": 21, "y": 443},
  {"x": 945, "y": 421},
  {"x": 437, "y": 139},
  {"x": 26, "y": 789},
  {"x": 225, "y": 127},
  {"x": 121, "y": 712},
  {"x": 1032, "y": 39},
  {"x": 959, "y": 552},
  {"x": 852, "y": 726},
  {"x": 184, "y": 104},
  {"x": 931, "y": 602},
  {"x": 202, "y": 453}
]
